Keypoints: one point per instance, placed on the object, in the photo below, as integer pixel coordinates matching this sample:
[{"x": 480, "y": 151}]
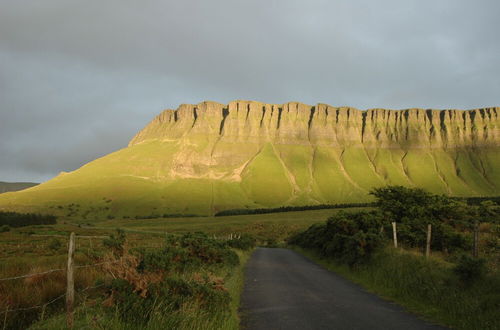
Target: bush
[
  {"x": 414, "y": 208},
  {"x": 470, "y": 269},
  {"x": 178, "y": 278},
  {"x": 4, "y": 228},
  {"x": 348, "y": 237},
  {"x": 115, "y": 242},
  {"x": 244, "y": 242},
  {"x": 54, "y": 244},
  {"x": 187, "y": 253}
]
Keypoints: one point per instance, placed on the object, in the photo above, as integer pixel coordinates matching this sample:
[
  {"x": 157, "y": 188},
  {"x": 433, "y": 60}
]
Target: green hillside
[{"x": 201, "y": 159}]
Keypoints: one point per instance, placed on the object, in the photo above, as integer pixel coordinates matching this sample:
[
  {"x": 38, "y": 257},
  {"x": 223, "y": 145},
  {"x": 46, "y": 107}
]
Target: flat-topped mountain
[{"x": 209, "y": 157}]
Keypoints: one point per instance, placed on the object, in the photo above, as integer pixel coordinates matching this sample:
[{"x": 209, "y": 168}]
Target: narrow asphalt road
[{"x": 285, "y": 290}]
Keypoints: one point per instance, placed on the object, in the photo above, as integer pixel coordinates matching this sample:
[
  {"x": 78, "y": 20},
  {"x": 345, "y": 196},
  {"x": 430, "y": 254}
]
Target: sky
[{"x": 79, "y": 78}]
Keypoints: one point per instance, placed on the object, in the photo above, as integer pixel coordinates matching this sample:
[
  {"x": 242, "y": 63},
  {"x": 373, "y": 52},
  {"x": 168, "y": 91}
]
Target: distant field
[
  {"x": 266, "y": 226},
  {"x": 32, "y": 241}
]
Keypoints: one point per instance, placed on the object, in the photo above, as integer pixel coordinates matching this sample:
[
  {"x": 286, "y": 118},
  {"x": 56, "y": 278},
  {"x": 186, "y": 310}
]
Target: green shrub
[
  {"x": 186, "y": 253},
  {"x": 4, "y": 228},
  {"x": 348, "y": 237},
  {"x": 414, "y": 208},
  {"x": 115, "y": 242},
  {"x": 177, "y": 278},
  {"x": 54, "y": 244},
  {"x": 244, "y": 242}
]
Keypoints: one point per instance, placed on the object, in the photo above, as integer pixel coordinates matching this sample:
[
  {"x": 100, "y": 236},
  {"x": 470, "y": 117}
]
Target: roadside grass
[
  {"x": 91, "y": 312},
  {"x": 426, "y": 287}
]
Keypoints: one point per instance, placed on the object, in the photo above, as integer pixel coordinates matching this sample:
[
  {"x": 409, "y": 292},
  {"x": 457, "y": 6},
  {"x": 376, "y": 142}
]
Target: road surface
[{"x": 285, "y": 290}]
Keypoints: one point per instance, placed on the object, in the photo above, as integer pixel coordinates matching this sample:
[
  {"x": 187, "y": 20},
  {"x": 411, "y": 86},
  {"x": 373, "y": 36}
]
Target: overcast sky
[{"x": 79, "y": 78}]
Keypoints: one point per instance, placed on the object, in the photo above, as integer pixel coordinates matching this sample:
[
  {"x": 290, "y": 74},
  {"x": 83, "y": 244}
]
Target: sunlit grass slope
[{"x": 134, "y": 181}]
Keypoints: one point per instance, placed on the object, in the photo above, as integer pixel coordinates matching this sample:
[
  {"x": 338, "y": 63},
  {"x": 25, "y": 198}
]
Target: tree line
[
  {"x": 14, "y": 219},
  {"x": 290, "y": 209}
]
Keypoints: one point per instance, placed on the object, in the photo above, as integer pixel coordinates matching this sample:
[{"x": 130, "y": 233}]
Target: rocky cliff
[
  {"x": 297, "y": 123},
  {"x": 207, "y": 157}
]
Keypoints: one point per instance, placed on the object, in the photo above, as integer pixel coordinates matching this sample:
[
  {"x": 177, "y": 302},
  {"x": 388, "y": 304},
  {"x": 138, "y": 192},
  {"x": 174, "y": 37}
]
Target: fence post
[
  {"x": 5, "y": 318},
  {"x": 43, "y": 312},
  {"x": 475, "y": 252},
  {"x": 428, "y": 245},
  {"x": 70, "y": 289},
  {"x": 394, "y": 235}
]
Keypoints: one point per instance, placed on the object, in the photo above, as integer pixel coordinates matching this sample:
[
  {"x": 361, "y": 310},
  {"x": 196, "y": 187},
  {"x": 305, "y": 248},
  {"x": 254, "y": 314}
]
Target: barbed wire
[
  {"x": 98, "y": 264},
  {"x": 31, "y": 275},
  {"x": 33, "y": 307},
  {"x": 90, "y": 287},
  {"x": 66, "y": 236},
  {"x": 56, "y": 270},
  {"x": 50, "y": 302}
]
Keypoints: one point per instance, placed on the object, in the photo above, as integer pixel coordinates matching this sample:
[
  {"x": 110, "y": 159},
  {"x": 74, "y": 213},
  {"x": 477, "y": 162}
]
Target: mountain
[
  {"x": 200, "y": 159},
  {"x": 15, "y": 186}
]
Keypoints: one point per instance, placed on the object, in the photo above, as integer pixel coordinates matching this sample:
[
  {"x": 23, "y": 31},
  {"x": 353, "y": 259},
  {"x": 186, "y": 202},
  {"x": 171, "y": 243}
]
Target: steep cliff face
[
  {"x": 297, "y": 123},
  {"x": 207, "y": 157}
]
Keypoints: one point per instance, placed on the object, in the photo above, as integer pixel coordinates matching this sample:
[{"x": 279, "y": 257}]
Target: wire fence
[
  {"x": 69, "y": 294},
  {"x": 55, "y": 270},
  {"x": 49, "y": 302},
  {"x": 49, "y": 271},
  {"x": 31, "y": 275}
]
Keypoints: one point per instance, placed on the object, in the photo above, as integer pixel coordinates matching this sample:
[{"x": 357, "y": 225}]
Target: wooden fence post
[
  {"x": 475, "y": 251},
  {"x": 5, "y": 318},
  {"x": 70, "y": 289},
  {"x": 428, "y": 245},
  {"x": 394, "y": 235}
]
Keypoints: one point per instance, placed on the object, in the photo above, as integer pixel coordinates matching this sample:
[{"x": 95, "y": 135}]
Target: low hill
[
  {"x": 15, "y": 186},
  {"x": 209, "y": 157}
]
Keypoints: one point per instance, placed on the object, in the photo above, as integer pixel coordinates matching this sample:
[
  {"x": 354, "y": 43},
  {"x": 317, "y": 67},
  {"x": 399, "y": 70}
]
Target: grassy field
[
  {"x": 33, "y": 241},
  {"x": 272, "y": 226}
]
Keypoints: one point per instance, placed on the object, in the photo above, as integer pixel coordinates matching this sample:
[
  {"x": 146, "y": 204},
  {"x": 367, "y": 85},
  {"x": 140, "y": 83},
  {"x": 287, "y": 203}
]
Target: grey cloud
[{"x": 79, "y": 78}]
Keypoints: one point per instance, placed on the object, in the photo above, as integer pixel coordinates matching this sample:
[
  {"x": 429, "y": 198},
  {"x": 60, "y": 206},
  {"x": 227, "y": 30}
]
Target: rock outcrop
[{"x": 297, "y": 123}]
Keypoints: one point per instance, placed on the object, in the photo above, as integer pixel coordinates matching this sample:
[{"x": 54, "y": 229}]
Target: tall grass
[
  {"x": 428, "y": 287},
  {"x": 39, "y": 289},
  {"x": 91, "y": 313}
]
